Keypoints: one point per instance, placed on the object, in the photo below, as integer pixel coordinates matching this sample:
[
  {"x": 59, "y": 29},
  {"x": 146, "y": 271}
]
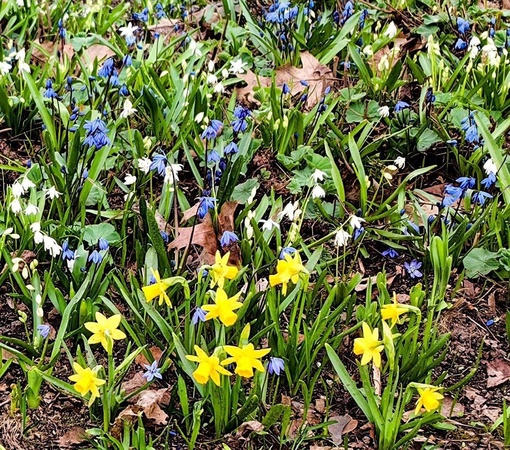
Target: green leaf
[
  {"x": 92, "y": 234},
  {"x": 480, "y": 262},
  {"x": 427, "y": 139},
  {"x": 242, "y": 192}
]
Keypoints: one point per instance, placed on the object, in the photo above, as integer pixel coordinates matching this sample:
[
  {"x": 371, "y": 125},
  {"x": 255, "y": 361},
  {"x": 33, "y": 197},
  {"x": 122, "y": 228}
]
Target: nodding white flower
[
  {"x": 400, "y": 162},
  {"x": 384, "y": 111},
  {"x": 268, "y": 225},
  {"x": 22, "y": 65},
  {"x": 473, "y": 48},
  {"x": 70, "y": 264},
  {"x": 224, "y": 73},
  {"x": 15, "y": 263},
  {"x": 129, "y": 179},
  {"x": 491, "y": 51},
  {"x": 341, "y": 238},
  {"x": 144, "y": 164},
  {"x": 27, "y": 184},
  {"x": 128, "y": 31},
  {"x": 318, "y": 192},
  {"x": 31, "y": 209},
  {"x": 5, "y": 67},
  {"x": 237, "y": 66},
  {"x": 368, "y": 50},
  {"x": 291, "y": 210},
  {"x": 35, "y": 227},
  {"x": 391, "y": 30},
  {"x": 127, "y": 109},
  {"x": 318, "y": 175},
  {"x": 199, "y": 117},
  {"x": 15, "y": 206},
  {"x": 212, "y": 79},
  {"x": 17, "y": 190},
  {"x": 38, "y": 237},
  {"x": 52, "y": 193},
  {"x": 172, "y": 173},
  {"x": 9, "y": 232},
  {"x": 490, "y": 167},
  {"x": 51, "y": 246},
  {"x": 219, "y": 88},
  {"x": 194, "y": 46},
  {"x": 355, "y": 221}
]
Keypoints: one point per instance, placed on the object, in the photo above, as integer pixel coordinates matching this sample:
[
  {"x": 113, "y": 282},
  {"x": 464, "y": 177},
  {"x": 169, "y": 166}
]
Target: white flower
[
  {"x": 128, "y": 31},
  {"x": 195, "y": 48},
  {"x": 31, "y": 209},
  {"x": 391, "y": 30},
  {"x": 9, "y": 232},
  {"x": 52, "y": 193},
  {"x": 35, "y": 227},
  {"x": 27, "y": 184},
  {"x": 237, "y": 66},
  {"x": 17, "y": 190},
  {"x": 15, "y": 263},
  {"x": 70, "y": 264},
  {"x": 318, "y": 192},
  {"x": 473, "y": 49},
  {"x": 318, "y": 175},
  {"x": 490, "y": 167},
  {"x": 51, "y": 246},
  {"x": 268, "y": 225},
  {"x": 144, "y": 164},
  {"x": 341, "y": 238},
  {"x": 355, "y": 221},
  {"x": 292, "y": 211},
  {"x": 127, "y": 109},
  {"x": 219, "y": 88},
  {"x": 15, "y": 206},
  {"x": 129, "y": 180},
  {"x": 38, "y": 237},
  {"x": 172, "y": 173},
  {"x": 212, "y": 79},
  {"x": 491, "y": 51},
  {"x": 384, "y": 111},
  {"x": 199, "y": 117},
  {"x": 5, "y": 67},
  {"x": 22, "y": 65},
  {"x": 400, "y": 162}
]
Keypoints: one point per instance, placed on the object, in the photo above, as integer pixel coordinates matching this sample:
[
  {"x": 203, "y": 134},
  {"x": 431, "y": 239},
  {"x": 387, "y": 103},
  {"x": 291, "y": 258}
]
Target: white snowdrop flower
[
  {"x": 35, "y": 227},
  {"x": 237, "y": 66},
  {"x": 30, "y": 287},
  {"x": 318, "y": 175},
  {"x": 491, "y": 51},
  {"x": 128, "y": 196},
  {"x": 490, "y": 167},
  {"x": 38, "y": 299},
  {"x": 40, "y": 312},
  {"x": 172, "y": 173},
  {"x": 211, "y": 79},
  {"x": 199, "y": 117},
  {"x": 356, "y": 221},
  {"x": 38, "y": 237},
  {"x": 129, "y": 179},
  {"x": 194, "y": 46},
  {"x": 368, "y": 50},
  {"x": 391, "y": 30},
  {"x": 247, "y": 224},
  {"x": 31, "y": 209},
  {"x": 268, "y": 225},
  {"x": 432, "y": 46},
  {"x": 341, "y": 238},
  {"x": 219, "y": 88},
  {"x": 52, "y": 193},
  {"x": 384, "y": 111},
  {"x": 400, "y": 162},
  {"x": 144, "y": 164},
  {"x": 9, "y": 232},
  {"x": 252, "y": 195},
  {"x": 127, "y": 109},
  {"x": 473, "y": 47},
  {"x": 22, "y": 65},
  {"x": 15, "y": 206},
  {"x": 17, "y": 190},
  {"x": 5, "y": 67},
  {"x": 224, "y": 73},
  {"x": 70, "y": 264},
  {"x": 210, "y": 66},
  {"x": 318, "y": 192},
  {"x": 15, "y": 263},
  {"x": 51, "y": 246},
  {"x": 128, "y": 31},
  {"x": 27, "y": 184},
  {"x": 291, "y": 210},
  {"x": 384, "y": 64}
]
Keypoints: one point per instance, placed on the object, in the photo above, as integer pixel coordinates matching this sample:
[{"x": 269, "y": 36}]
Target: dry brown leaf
[
  {"x": 75, "y": 436},
  {"x": 293, "y": 428},
  {"x": 165, "y": 27},
  {"x": 448, "y": 404},
  {"x": 93, "y": 52},
  {"x": 133, "y": 383},
  {"x": 286, "y": 400},
  {"x": 189, "y": 213},
  {"x": 498, "y": 371},
  {"x": 129, "y": 414},
  {"x": 343, "y": 424},
  {"x": 476, "y": 399},
  {"x": 318, "y": 447},
  {"x": 251, "y": 425},
  {"x": 156, "y": 354},
  {"x": 320, "y": 405},
  {"x": 317, "y": 75},
  {"x": 150, "y": 400},
  {"x": 492, "y": 413},
  {"x": 492, "y": 303}
]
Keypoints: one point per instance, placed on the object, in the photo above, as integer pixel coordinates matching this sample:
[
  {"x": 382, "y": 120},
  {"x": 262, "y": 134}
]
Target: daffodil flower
[
  {"x": 223, "y": 308},
  {"x": 393, "y": 311},
  {"x": 86, "y": 381},
  {"x": 369, "y": 346},
  {"x": 429, "y": 398},
  {"x": 208, "y": 367},
  {"x": 105, "y": 330},
  {"x": 287, "y": 269},
  {"x": 221, "y": 271},
  {"x": 157, "y": 289},
  {"x": 246, "y": 359}
]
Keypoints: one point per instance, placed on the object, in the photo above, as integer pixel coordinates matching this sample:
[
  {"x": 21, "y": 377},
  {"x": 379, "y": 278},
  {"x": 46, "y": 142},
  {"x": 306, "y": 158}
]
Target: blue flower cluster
[
  {"x": 281, "y": 12},
  {"x": 463, "y": 26},
  {"x": 109, "y": 72},
  {"x": 96, "y": 134},
  {"x": 471, "y": 130}
]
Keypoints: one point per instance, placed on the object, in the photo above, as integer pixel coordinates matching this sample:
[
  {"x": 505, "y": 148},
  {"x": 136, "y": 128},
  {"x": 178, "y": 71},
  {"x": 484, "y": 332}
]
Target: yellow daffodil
[
  {"x": 369, "y": 346},
  {"x": 429, "y": 398},
  {"x": 246, "y": 359},
  {"x": 208, "y": 367},
  {"x": 393, "y": 311},
  {"x": 105, "y": 330},
  {"x": 287, "y": 269},
  {"x": 223, "y": 308},
  {"x": 157, "y": 289},
  {"x": 220, "y": 270},
  {"x": 86, "y": 381}
]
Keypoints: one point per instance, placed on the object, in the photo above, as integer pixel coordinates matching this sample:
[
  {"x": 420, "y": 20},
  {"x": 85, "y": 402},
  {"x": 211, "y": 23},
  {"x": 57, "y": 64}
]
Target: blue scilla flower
[
  {"x": 363, "y": 17},
  {"x": 347, "y": 12},
  {"x": 44, "y": 330},
  {"x": 206, "y": 203},
  {"x": 160, "y": 12},
  {"x": 124, "y": 91},
  {"x": 287, "y": 251},
  {"x": 222, "y": 164},
  {"x": 275, "y": 366},
  {"x": 285, "y": 89},
  {"x": 103, "y": 244},
  {"x": 96, "y": 134},
  {"x": 164, "y": 236},
  {"x": 489, "y": 181},
  {"x": 401, "y": 105},
  {"x": 231, "y": 149},
  {"x": 94, "y": 126},
  {"x": 61, "y": 30},
  {"x": 227, "y": 238},
  {"x": 158, "y": 163},
  {"x": 127, "y": 60},
  {"x": 453, "y": 142},
  {"x": 198, "y": 316},
  {"x": 480, "y": 197},
  {"x": 466, "y": 182},
  {"x": 107, "y": 68},
  {"x": 142, "y": 16},
  {"x": 413, "y": 268},
  {"x": 50, "y": 92},
  {"x": 213, "y": 157},
  {"x": 239, "y": 125},
  {"x": 390, "y": 253},
  {"x": 461, "y": 44},
  {"x": 429, "y": 96},
  {"x": 152, "y": 372},
  {"x": 212, "y": 130},
  {"x": 357, "y": 233},
  {"x": 462, "y": 25},
  {"x": 85, "y": 173},
  {"x": 67, "y": 253},
  {"x": 95, "y": 257}
]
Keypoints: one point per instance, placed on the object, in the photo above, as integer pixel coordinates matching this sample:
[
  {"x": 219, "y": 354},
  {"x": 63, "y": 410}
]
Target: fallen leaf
[
  {"x": 343, "y": 425},
  {"x": 75, "y": 436},
  {"x": 150, "y": 400},
  {"x": 492, "y": 413},
  {"x": 477, "y": 400},
  {"x": 129, "y": 414},
  {"x": 320, "y": 405},
  {"x": 293, "y": 428},
  {"x": 251, "y": 425},
  {"x": 156, "y": 354},
  {"x": 492, "y": 303},
  {"x": 286, "y": 400},
  {"x": 189, "y": 213},
  {"x": 317, "y": 75},
  {"x": 165, "y": 27},
  {"x": 92, "y": 52},
  {"x": 449, "y": 409},
  {"x": 498, "y": 371},
  {"x": 133, "y": 383}
]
